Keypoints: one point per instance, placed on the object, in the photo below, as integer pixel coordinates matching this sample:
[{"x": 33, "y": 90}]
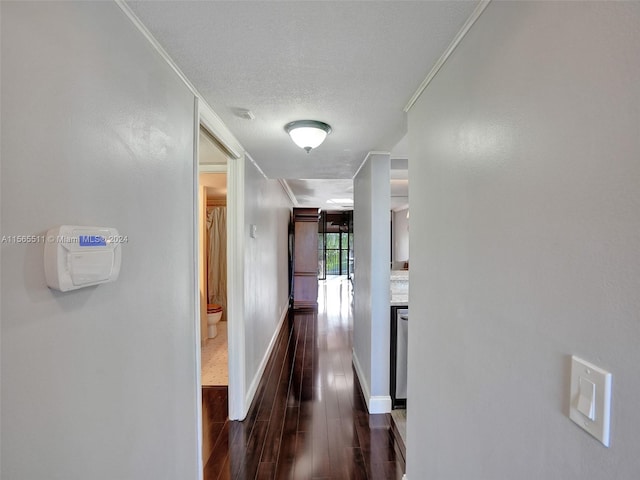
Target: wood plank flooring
[{"x": 308, "y": 419}]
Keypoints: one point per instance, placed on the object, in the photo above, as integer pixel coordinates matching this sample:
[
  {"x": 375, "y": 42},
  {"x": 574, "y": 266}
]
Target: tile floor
[{"x": 215, "y": 369}]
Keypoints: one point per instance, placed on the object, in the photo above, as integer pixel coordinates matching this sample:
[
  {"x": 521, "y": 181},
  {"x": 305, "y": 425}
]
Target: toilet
[{"x": 214, "y": 314}]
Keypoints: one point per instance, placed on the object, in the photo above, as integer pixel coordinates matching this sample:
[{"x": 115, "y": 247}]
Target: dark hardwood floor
[{"x": 308, "y": 419}]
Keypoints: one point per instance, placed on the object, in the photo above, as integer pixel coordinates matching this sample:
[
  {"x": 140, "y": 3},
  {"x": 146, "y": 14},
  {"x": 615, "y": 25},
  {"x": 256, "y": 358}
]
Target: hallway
[{"x": 308, "y": 419}]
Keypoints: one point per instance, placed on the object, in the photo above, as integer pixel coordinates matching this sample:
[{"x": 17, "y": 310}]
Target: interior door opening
[
  {"x": 335, "y": 244},
  {"x": 213, "y": 286}
]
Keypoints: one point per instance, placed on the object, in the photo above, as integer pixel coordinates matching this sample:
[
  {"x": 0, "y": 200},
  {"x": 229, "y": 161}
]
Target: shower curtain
[{"x": 217, "y": 262}]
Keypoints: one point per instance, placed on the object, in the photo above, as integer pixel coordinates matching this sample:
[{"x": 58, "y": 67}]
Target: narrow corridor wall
[
  {"x": 98, "y": 383},
  {"x": 372, "y": 272},
  {"x": 266, "y": 274},
  {"x": 524, "y": 244}
]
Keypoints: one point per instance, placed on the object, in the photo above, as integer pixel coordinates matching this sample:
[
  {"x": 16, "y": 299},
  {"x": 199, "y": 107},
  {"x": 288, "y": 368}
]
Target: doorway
[
  {"x": 213, "y": 283},
  {"x": 226, "y": 156},
  {"x": 213, "y": 286},
  {"x": 335, "y": 244}
]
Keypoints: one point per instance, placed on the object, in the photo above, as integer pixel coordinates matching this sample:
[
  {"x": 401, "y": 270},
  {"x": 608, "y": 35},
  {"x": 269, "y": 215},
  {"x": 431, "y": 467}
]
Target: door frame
[{"x": 207, "y": 119}]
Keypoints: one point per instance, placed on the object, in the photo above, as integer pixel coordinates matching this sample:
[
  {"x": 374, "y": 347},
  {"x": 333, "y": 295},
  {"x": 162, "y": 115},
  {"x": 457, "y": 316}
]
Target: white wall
[
  {"x": 372, "y": 244},
  {"x": 266, "y": 289},
  {"x": 527, "y": 145},
  {"x": 98, "y": 383},
  {"x": 400, "y": 237}
]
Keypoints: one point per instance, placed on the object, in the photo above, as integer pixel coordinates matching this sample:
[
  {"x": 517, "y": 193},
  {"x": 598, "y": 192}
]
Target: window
[{"x": 335, "y": 243}]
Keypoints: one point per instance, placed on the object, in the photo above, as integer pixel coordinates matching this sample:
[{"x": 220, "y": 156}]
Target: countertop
[
  {"x": 399, "y": 300},
  {"x": 399, "y": 287},
  {"x": 400, "y": 275}
]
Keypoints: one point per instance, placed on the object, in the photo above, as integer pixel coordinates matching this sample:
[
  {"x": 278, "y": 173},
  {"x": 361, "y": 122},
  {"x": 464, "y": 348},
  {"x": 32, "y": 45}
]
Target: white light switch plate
[{"x": 585, "y": 403}]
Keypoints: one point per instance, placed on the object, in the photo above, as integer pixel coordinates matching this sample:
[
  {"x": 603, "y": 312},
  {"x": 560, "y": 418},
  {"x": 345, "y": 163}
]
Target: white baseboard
[
  {"x": 251, "y": 392},
  {"x": 376, "y": 403},
  {"x": 380, "y": 404},
  {"x": 361, "y": 377}
]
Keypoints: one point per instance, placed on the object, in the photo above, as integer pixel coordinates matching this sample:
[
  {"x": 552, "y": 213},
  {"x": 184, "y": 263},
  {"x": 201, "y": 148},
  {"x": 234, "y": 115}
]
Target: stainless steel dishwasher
[{"x": 399, "y": 340}]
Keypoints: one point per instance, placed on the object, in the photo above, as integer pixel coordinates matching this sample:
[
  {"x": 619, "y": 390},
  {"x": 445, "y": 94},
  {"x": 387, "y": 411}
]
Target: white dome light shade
[
  {"x": 307, "y": 137},
  {"x": 307, "y": 134}
]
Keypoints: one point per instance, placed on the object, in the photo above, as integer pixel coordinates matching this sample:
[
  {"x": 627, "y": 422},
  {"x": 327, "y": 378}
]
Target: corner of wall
[{"x": 375, "y": 403}]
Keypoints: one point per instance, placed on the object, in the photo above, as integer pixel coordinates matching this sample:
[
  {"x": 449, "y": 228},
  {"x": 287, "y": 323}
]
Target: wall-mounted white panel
[{"x": 590, "y": 398}]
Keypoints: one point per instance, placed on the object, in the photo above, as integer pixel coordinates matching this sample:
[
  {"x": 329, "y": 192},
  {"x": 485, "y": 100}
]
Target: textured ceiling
[
  {"x": 325, "y": 194},
  {"x": 352, "y": 64}
]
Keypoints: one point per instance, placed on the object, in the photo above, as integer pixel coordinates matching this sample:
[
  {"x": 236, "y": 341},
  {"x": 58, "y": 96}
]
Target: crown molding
[
  {"x": 287, "y": 189},
  {"x": 365, "y": 161},
  {"x": 208, "y": 117},
  {"x": 250, "y": 158},
  {"x": 447, "y": 53}
]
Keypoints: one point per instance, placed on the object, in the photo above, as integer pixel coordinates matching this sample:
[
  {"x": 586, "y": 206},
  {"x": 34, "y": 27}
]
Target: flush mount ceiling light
[{"x": 307, "y": 134}]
